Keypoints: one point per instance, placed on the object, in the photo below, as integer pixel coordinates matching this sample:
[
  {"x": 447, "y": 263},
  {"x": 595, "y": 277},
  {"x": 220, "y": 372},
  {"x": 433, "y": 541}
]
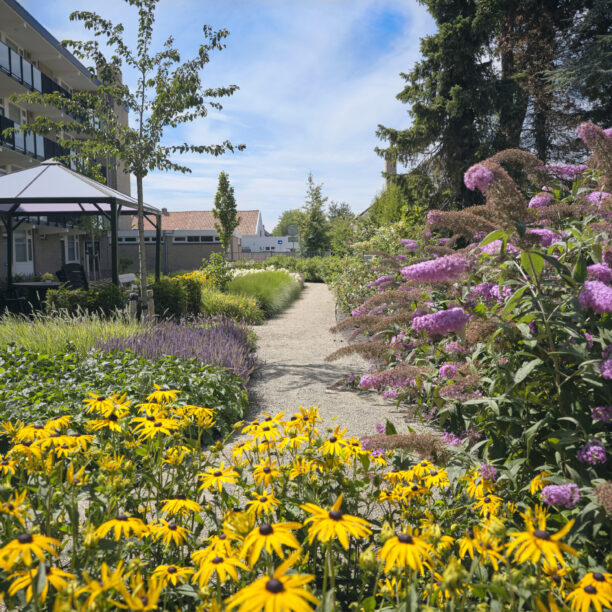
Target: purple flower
[
  {"x": 540, "y": 200},
  {"x": 566, "y": 495},
  {"x": 382, "y": 281},
  {"x": 359, "y": 311},
  {"x": 401, "y": 257},
  {"x": 442, "y": 322},
  {"x": 378, "y": 452},
  {"x": 600, "y": 272},
  {"x": 565, "y": 171},
  {"x": 494, "y": 248},
  {"x": 502, "y": 361},
  {"x": 433, "y": 217},
  {"x": 596, "y": 296},
  {"x": 589, "y": 340},
  {"x": 409, "y": 245},
  {"x": 605, "y": 367},
  {"x": 380, "y": 428},
  {"x": 447, "y": 371},
  {"x": 446, "y": 268},
  {"x": 455, "y": 347},
  {"x": 490, "y": 292},
  {"x": 587, "y": 132},
  {"x": 546, "y": 236},
  {"x": 608, "y": 132},
  {"x": 592, "y": 453},
  {"x": 602, "y": 413},
  {"x": 390, "y": 393},
  {"x": 488, "y": 472},
  {"x": 451, "y": 439},
  {"x": 598, "y": 197},
  {"x": 478, "y": 177}
]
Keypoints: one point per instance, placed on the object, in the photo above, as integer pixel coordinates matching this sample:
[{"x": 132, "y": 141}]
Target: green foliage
[
  {"x": 124, "y": 264},
  {"x": 388, "y": 205},
  {"x": 26, "y": 392},
  {"x": 350, "y": 284},
  {"x": 236, "y": 307},
  {"x": 313, "y": 269},
  {"x": 224, "y": 211},
  {"x": 59, "y": 331},
  {"x": 216, "y": 270},
  {"x": 274, "y": 290},
  {"x": 105, "y": 298},
  {"x": 314, "y": 228},
  {"x": 170, "y": 298},
  {"x": 193, "y": 294},
  {"x": 289, "y": 217}
]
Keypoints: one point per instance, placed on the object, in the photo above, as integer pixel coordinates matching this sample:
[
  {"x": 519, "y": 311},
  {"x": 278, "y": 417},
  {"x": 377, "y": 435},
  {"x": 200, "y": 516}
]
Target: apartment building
[{"x": 32, "y": 59}]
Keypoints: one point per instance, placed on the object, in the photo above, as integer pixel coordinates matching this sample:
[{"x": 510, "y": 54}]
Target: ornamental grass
[{"x": 126, "y": 508}]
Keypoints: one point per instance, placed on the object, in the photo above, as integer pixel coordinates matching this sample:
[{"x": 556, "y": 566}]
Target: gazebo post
[
  {"x": 9, "y": 249},
  {"x": 158, "y": 237},
  {"x": 114, "y": 241}
]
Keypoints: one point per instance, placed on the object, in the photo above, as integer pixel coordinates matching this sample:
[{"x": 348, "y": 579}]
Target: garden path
[{"x": 293, "y": 372}]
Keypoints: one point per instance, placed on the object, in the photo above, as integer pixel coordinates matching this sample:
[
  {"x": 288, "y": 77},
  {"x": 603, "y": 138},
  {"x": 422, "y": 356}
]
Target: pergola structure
[{"x": 53, "y": 190}]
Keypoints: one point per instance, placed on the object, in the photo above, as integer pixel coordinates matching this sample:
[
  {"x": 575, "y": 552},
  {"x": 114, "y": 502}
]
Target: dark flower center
[
  {"x": 121, "y": 517},
  {"x": 599, "y": 577},
  {"x": 266, "y": 428},
  {"x": 64, "y": 446},
  {"x": 101, "y": 398},
  {"x": 55, "y": 434},
  {"x": 76, "y": 480},
  {"x": 274, "y": 585},
  {"x": 405, "y": 538},
  {"x": 172, "y": 526},
  {"x": 150, "y": 417},
  {"x": 25, "y": 538},
  {"x": 266, "y": 470},
  {"x": 10, "y": 507},
  {"x": 4, "y": 462},
  {"x": 172, "y": 569},
  {"x": 144, "y": 599},
  {"x": 217, "y": 474},
  {"x": 470, "y": 534},
  {"x": 222, "y": 536},
  {"x": 590, "y": 589},
  {"x": 113, "y": 418},
  {"x": 293, "y": 418},
  {"x": 37, "y": 426},
  {"x": 433, "y": 474},
  {"x": 556, "y": 578},
  {"x": 263, "y": 500},
  {"x": 47, "y": 570},
  {"x": 217, "y": 560},
  {"x": 541, "y": 534},
  {"x": 26, "y": 443},
  {"x": 158, "y": 424},
  {"x": 414, "y": 488},
  {"x": 180, "y": 496},
  {"x": 333, "y": 439},
  {"x": 424, "y": 464},
  {"x": 335, "y": 515},
  {"x": 266, "y": 530},
  {"x": 487, "y": 500}
]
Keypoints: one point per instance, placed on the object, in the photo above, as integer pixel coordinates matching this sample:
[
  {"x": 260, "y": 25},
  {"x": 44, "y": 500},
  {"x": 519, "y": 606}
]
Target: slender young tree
[
  {"x": 224, "y": 211},
  {"x": 168, "y": 92},
  {"x": 314, "y": 230}
]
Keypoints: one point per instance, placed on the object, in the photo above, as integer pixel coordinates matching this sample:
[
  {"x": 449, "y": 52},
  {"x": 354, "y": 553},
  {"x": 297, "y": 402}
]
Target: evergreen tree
[
  {"x": 289, "y": 217},
  {"x": 314, "y": 228},
  {"x": 224, "y": 211}
]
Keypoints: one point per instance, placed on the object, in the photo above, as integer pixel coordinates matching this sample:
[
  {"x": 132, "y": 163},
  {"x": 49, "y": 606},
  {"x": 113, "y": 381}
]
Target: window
[
  {"x": 23, "y": 247},
  {"x": 193, "y": 239},
  {"x": 71, "y": 246}
]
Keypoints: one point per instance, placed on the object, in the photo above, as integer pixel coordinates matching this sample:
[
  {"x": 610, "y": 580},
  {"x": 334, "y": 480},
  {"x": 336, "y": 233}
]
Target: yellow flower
[
  {"x": 142, "y": 597},
  {"x": 95, "y": 587},
  {"x": 99, "y": 403},
  {"x": 424, "y": 468},
  {"x": 489, "y": 505},
  {"x": 122, "y": 525},
  {"x": 111, "y": 421},
  {"x": 267, "y": 431},
  {"x": 269, "y": 538},
  {"x": 264, "y": 502},
  {"x": 488, "y": 547},
  {"x": 280, "y": 592},
  {"x": 162, "y": 395},
  {"x": 301, "y": 466},
  {"x": 168, "y": 532},
  {"x": 16, "y": 507},
  {"x": 557, "y": 575},
  {"x": 176, "y": 454},
  {"x": 149, "y": 428},
  {"x": 203, "y": 417},
  {"x": 583, "y": 597},
  {"x": 535, "y": 544},
  {"x": 222, "y": 566},
  {"x": 335, "y": 444},
  {"x": 180, "y": 505},
  {"x": 171, "y": 574},
  {"x": 438, "y": 479},
  {"x": 406, "y": 550},
  {"x": 479, "y": 487},
  {"x": 309, "y": 416},
  {"x": 216, "y": 477},
  {"x": 111, "y": 463},
  {"x": 332, "y": 523},
  {"x": 55, "y": 577},
  {"x": 219, "y": 546},
  {"x": 602, "y": 581},
  {"x": 78, "y": 479},
  {"x": 26, "y": 547},
  {"x": 7, "y": 465},
  {"x": 293, "y": 441},
  {"x": 538, "y": 483},
  {"x": 266, "y": 472},
  {"x": 152, "y": 409}
]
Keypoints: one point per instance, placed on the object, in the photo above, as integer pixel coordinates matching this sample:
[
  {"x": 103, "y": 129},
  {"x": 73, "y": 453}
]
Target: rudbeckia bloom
[
  {"x": 15, "y": 507},
  {"x": 171, "y": 574},
  {"x": 406, "y": 550},
  {"x": 280, "y": 592},
  {"x": 269, "y": 538},
  {"x": 584, "y": 597},
  {"x": 111, "y": 463},
  {"x": 95, "y": 587},
  {"x": 122, "y": 526},
  {"x": 7, "y": 466},
  {"x": 99, "y": 403},
  {"x": 216, "y": 477},
  {"x": 535, "y": 544},
  {"x": 538, "y": 483},
  {"x": 336, "y": 444},
  {"x": 438, "y": 479},
  {"x": 54, "y": 576},
  {"x": 333, "y": 524},
  {"x": 147, "y": 429},
  {"x": 26, "y": 547},
  {"x": 423, "y": 468},
  {"x": 266, "y": 472},
  {"x": 603, "y": 582},
  {"x": 180, "y": 505},
  {"x": 489, "y": 505},
  {"x": 264, "y": 502},
  {"x": 163, "y": 395},
  {"x": 142, "y": 597},
  {"x": 222, "y": 566},
  {"x": 168, "y": 532}
]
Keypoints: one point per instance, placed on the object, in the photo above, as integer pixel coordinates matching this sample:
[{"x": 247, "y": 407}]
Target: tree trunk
[{"x": 142, "y": 251}]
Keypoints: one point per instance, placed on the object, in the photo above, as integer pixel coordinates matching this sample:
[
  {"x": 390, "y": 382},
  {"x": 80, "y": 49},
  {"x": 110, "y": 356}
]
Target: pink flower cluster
[
  {"x": 448, "y": 370},
  {"x": 488, "y": 471},
  {"x": 383, "y": 281},
  {"x": 587, "y": 132},
  {"x": 455, "y": 347},
  {"x": 494, "y": 248},
  {"x": 360, "y": 311},
  {"x": 478, "y": 177},
  {"x": 386, "y": 378},
  {"x": 592, "y": 453},
  {"x": 540, "y": 200},
  {"x": 608, "y": 132},
  {"x": 546, "y": 236},
  {"x": 433, "y": 217},
  {"x": 446, "y": 268},
  {"x": 409, "y": 244},
  {"x": 442, "y": 322},
  {"x": 598, "y": 197},
  {"x": 596, "y": 296},
  {"x": 561, "y": 495},
  {"x": 565, "y": 171},
  {"x": 600, "y": 272},
  {"x": 490, "y": 292},
  {"x": 451, "y": 439},
  {"x": 602, "y": 413}
]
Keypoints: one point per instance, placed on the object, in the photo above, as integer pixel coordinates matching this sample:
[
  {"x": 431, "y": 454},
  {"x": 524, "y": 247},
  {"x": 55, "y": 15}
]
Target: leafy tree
[
  {"x": 289, "y": 217},
  {"x": 341, "y": 227},
  {"x": 224, "y": 211},
  {"x": 314, "y": 229},
  {"x": 388, "y": 205},
  {"x": 339, "y": 210},
  {"x": 168, "y": 93}
]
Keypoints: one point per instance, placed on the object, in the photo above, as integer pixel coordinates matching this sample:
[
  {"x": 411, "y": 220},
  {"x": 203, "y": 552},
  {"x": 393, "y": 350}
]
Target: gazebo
[{"x": 52, "y": 190}]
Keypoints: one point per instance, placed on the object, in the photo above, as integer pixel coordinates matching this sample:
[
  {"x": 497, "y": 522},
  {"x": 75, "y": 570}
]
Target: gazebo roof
[{"x": 52, "y": 188}]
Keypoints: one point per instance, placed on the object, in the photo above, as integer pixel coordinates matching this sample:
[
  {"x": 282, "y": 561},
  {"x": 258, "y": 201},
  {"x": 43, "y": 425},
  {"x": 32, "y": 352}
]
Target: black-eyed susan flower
[
  {"x": 171, "y": 574},
  {"x": 583, "y": 597},
  {"x": 7, "y": 465},
  {"x": 29, "y": 450},
  {"x": 423, "y": 468},
  {"x": 122, "y": 525},
  {"x": 328, "y": 524},
  {"x": 280, "y": 592},
  {"x": 479, "y": 487},
  {"x": 108, "y": 580},
  {"x": 78, "y": 478},
  {"x": 488, "y": 547},
  {"x": 141, "y": 595},
  {"x": 335, "y": 444},
  {"x": 16, "y": 507},
  {"x": 180, "y": 505},
  {"x": 269, "y": 538},
  {"x": 113, "y": 421},
  {"x": 536, "y": 543},
  {"x": 309, "y": 416},
  {"x": 240, "y": 450},
  {"x": 292, "y": 441},
  {"x": 266, "y": 432},
  {"x": 99, "y": 403},
  {"x": 111, "y": 463},
  {"x": 152, "y": 409},
  {"x": 26, "y": 547},
  {"x": 489, "y": 505},
  {"x": 302, "y": 465},
  {"x": 168, "y": 531},
  {"x": 538, "y": 483},
  {"x": 221, "y": 566},
  {"x": 406, "y": 549},
  {"x": 601, "y": 580},
  {"x": 157, "y": 427},
  {"x": 163, "y": 395},
  {"x": 175, "y": 454},
  {"x": 264, "y": 503},
  {"x": 266, "y": 472},
  {"x": 55, "y": 577},
  {"x": 219, "y": 545},
  {"x": 557, "y": 574},
  {"x": 217, "y": 477},
  {"x": 439, "y": 479}
]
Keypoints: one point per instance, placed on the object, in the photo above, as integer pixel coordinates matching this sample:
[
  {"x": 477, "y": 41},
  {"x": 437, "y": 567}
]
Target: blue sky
[{"x": 316, "y": 77}]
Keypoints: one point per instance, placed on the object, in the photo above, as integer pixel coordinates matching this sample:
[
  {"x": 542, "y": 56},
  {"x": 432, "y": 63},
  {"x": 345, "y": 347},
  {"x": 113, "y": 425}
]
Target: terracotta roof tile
[{"x": 202, "y": 220}]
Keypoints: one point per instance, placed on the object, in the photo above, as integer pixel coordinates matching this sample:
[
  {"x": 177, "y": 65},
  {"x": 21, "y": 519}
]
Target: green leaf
[
  {"x": 512, "y": 301},
  {"x": 533, "y": 263},
  {"x": 390, "y": 429},
  {"x": 579, "y": 273},
  {"x": 523, "y": 372},
  {"x": 496, "y": 235}
]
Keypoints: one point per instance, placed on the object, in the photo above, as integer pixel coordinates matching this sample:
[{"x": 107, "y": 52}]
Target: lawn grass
[
  {"x": 237, "y": 307},
  {"x": 52, "y": 333},
  {"x": 274, "y": 290}
]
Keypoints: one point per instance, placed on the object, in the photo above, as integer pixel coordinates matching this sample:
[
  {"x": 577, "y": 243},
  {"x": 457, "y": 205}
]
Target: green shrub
[
  {"x": 104, "y": 297},
  {"x": 193, "y": 294},
  {"x": 217, "y": 271},
  {"x": 176, "y": 298},
  {"x": 274, "y": 290},
  {"x": 314, "y": 269},
  {"x": 236, "y": 307}
]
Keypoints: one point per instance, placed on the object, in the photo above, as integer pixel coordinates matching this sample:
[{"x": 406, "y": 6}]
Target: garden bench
[{"x": 128, "y": 279}]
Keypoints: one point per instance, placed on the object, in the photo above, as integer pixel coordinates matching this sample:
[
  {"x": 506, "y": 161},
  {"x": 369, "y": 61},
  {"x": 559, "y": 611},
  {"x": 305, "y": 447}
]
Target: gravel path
[{"x": 292, "y": 372}]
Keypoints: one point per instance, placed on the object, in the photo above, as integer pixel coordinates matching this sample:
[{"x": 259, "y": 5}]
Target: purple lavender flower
[
  {"x": 380, "y": 428},
  {"x": 433, "y": 217},
  {"x": 447, "y": 268},
  {"x": 566, "y": 495},
  {"x": 598, "y": 197},
  {"x": 478, "y": 177},
  {"x": 502, "y": 361},
  {"x": 589, "y": 340},
  {"x": 455, "y": 347},
  {"x": 587, "y": 132},
  {"x": 401, "y": 257},
  {"x": 360, "y": 311},
  {"x": 600, "y": 272},
  {"x": 605, "y": 367},
  {"x": 442, "y": 322},
  {"x": 409, "y": 244},
  {"x": 490, "y": 292},
  {"x": 494, "y": 248},
  {"x": 447, "y": 371},
  {"x": 451, "y": 439},
  {"x": 546, "y": 236},
  {"x": 378, "y": 452},
  {"x": 565, "y": 172},
  {"x": 540, "y": 200},
  {"x": 390, "y": 393},
  {"x": 488, "y": 472},
  {"x": 596, "y": 296},
  {"x": 602, "y": 413},
  {"x": 608, "y": 132},
  {"x": 592, "y": 453}
]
